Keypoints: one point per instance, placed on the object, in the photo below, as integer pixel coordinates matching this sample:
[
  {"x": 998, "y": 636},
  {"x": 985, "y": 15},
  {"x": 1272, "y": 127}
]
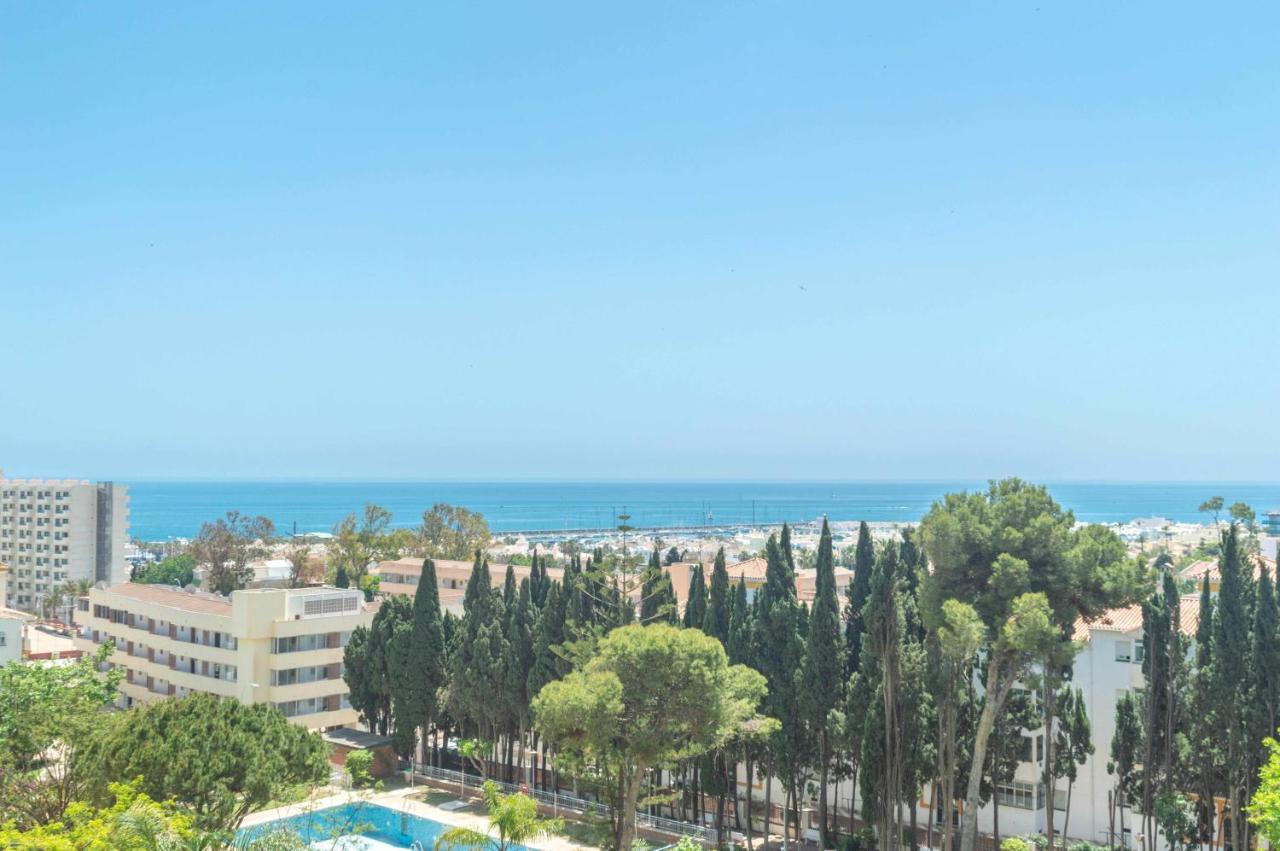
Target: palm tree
[
  {"x": 145, "y": 825},
  {"x": 52, "y": 602},
  {"x": 514, "y": 818},
  {"x": 73, "y": 589}
]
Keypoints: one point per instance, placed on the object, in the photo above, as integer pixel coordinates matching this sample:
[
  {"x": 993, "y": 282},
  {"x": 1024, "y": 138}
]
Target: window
[
  {"x": 297, "y": 643},
  {"x": 331, "y": 605},
  {"x": 1020, "y": 795},
  {"x": 1024, "y": 749},
  {"x": 1124, "y": 650}
]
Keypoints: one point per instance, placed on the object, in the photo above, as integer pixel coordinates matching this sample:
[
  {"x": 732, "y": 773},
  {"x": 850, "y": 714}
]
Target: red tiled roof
[{"x": 1129, "y": 618}]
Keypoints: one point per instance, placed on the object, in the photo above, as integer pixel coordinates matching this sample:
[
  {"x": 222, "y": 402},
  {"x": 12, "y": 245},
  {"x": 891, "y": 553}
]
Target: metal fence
[{"x": 570, "y": 803}]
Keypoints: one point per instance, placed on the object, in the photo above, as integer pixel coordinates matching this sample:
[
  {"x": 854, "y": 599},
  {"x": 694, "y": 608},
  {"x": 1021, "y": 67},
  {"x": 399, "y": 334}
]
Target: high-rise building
[{"x": 54, "y": 531}]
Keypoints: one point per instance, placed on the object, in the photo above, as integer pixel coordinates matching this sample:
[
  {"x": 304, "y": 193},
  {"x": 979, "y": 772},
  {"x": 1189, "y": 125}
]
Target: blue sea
[{"x": 169, "y": 509}]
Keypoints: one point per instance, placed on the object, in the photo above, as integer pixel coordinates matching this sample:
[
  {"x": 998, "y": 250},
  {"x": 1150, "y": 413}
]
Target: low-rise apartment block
[
  {"x": 54, "y": 531},
  {"x": 401, "y": 577},
  {"x": 265, "y": 645}
]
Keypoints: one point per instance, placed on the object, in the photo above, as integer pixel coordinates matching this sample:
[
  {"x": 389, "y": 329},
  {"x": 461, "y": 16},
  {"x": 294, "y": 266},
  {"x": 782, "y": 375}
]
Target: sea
[{"x": 161, "y": 510}]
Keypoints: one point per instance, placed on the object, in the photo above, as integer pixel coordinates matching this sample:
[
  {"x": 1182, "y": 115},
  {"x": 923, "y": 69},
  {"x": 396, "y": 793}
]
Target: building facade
[
  {"x": 265, "y": 645},
  {"x": 13, "y": 626},
  {"x": 401, "y": 577},
  {"x": 54, "y": 531}
]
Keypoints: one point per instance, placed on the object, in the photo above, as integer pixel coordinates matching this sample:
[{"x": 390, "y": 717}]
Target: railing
[{"x": 562, "y": 801}]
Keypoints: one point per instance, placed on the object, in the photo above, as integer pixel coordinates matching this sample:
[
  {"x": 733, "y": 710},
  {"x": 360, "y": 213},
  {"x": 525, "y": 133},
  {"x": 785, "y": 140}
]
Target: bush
[
  {"x": 1084, "y": 846},
  {"x": 360, "y": 769},
  {"x": 1013, "y": 843},
  {"x": 863, "y": 839}
]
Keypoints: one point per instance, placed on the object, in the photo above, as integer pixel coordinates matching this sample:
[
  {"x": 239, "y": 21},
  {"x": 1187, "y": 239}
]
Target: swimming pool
[{"x": 372, "y": 827}]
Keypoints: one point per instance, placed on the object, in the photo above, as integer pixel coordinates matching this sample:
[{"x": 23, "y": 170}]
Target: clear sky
[{"x": 640, "y": 240}]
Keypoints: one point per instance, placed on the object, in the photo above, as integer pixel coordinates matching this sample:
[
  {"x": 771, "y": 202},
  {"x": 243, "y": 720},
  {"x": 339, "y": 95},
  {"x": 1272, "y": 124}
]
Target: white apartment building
[
  {"x": 281, "y": 646},
  {"x": 13, "y": 625},
  {"x": 54, "y": 531}
]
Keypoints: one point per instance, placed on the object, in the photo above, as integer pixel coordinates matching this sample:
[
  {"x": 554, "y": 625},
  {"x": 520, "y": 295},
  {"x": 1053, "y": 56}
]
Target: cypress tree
[
  {"x": 823, "y": 666},
  {"x": 1204, "y": 734},
  {"x": 1204, "y": 626},
  {"x": 1266, "y": 654},
  {"x": 657, "y": 594},
  {"x": 386, "y": 661},
  {"x": 517, "y": 663},
  {"x": 1231, "y": 678},
  {"x": 788, "y": 553},
  {"x": 1155, "y": 670},
  {"x": 548, "y": 635},
  {"x": 695, "y": 607},
  {"x": 856, "y": 592},
  {"x": 537, "y": 575},
  {"x": 509, "y": 588},
  {"x": 716, "y": 622},
  {"x": 779, "y": 654},
  {"x": 1126, "y": 751},
  {"x": 425, "y": 667},
  {"x": 480, "y": 653},
  {"x": 741, "y": 628},
  {"x": 1075, "y": 744}
]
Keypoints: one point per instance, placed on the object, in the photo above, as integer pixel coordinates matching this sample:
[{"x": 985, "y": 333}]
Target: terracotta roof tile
[{"x": 1129, "y": 618}]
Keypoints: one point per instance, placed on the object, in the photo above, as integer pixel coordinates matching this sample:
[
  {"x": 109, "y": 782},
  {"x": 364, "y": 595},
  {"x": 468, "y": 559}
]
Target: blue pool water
[{"x": 383, "y": 826}]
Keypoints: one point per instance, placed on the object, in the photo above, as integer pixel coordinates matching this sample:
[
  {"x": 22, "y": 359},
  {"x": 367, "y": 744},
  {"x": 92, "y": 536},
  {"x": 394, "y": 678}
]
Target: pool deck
[{"x": 399, "y": 800}]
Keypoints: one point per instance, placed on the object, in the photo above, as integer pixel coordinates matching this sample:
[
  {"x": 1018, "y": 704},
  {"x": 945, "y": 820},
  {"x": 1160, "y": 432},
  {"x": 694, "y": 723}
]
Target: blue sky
[{"x": 651, "y": 240}]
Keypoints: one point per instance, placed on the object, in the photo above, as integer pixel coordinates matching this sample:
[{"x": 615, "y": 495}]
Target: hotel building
[
  {"x": 264, "y": 645},
  {"x": 61, "y": 530}
]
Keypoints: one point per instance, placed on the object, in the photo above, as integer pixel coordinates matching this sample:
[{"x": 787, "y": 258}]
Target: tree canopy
[
  {"x": 651, "y": 695},
  {"x": 220, "y": 758}
]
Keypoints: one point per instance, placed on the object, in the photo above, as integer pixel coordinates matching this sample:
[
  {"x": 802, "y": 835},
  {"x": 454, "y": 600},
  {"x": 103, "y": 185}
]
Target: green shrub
[
  {"x": 863, "y": 839},
  {"x": 1084, "y": 846},
  {"x": 1014, "y": 843},
  {"x": 360, "y": 769}
]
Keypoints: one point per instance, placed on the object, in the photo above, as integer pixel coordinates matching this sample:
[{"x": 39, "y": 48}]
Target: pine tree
[
  {"x": 716, "y": 622},
  {"x": 823, "y": 667},
  {"x": 695, "y": 607}
]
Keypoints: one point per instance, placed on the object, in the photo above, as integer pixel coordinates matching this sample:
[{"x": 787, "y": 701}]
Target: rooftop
[
  {"x": 1129, "y": 618},
  {"x": 188, "y": 601}
]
